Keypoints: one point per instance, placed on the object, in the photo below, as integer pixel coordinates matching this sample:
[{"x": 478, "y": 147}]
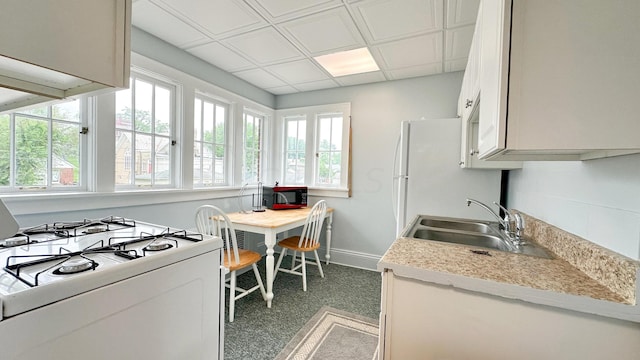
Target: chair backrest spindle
[{"x": 313, "y": 226}]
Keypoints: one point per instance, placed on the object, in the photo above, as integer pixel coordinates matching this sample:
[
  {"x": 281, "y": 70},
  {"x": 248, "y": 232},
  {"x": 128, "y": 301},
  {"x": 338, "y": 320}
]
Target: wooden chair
[
  {"x": 211, "y": 220},
  {"x": 309, "y": 240}
]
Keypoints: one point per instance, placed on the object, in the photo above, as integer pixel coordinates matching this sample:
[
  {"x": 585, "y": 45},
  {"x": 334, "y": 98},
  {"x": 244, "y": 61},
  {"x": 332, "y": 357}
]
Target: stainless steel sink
[
  {"x": 484, "y": 234},
  {"x": 472, "y": 239},
  {"x": 457, "y": 224}
]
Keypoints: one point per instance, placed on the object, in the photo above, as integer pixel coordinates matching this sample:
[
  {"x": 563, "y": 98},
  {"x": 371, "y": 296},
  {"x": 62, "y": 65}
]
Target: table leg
[
  {"x": 329, "y": 225},
  {"x": 270, "y": 242}
]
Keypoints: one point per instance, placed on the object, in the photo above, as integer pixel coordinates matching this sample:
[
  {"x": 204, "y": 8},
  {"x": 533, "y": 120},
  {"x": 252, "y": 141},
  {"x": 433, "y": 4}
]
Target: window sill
[
  {"x": 27, "y": 204},
  {"x": 328, "y": 192}
]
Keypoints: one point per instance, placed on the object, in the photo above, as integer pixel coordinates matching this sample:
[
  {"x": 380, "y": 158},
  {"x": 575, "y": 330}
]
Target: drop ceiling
[{"x": 271, "y": 43}]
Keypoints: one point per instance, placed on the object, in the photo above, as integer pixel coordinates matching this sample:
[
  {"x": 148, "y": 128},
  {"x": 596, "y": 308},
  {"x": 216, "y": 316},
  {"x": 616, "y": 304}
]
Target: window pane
[
  {"x": 219, "y": 175},
  {"x": 123, "y": 158},
  {"x": 197, "y": 120},
  {"x": 123, "y": 109},
  {"x": 143, "y": 101},
  {"x": 143, "y": 161},
  {"x": 325, "y": 134},
  {"x": 65, "y": 143},
  {"x": 163, "y": 110},
  {"x": 39, "y": 111},
  {"x": 208, "y": 122},
  {"x": 69, "y": 111},
  {"x": 5, "y": 155},
  {"x": 162, "y": 164},
  {"x": 31, "y": 151},
  {"x": 336, "y": 133}
]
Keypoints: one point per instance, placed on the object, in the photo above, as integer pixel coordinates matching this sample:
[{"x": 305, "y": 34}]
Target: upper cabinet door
[
  {"x": 494, "y": 74},
  {"x": 57, "y": 49},
  {"x": 559, "y": 79}
]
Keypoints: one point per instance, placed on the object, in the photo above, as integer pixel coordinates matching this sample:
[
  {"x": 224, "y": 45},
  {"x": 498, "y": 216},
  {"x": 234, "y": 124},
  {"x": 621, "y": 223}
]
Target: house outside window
[
  {"x": 41, "y": 147},
  {"x": 210, "y": 147},
  {"x": 295, "y": 149},
  {"x": 144, "y": 130}
]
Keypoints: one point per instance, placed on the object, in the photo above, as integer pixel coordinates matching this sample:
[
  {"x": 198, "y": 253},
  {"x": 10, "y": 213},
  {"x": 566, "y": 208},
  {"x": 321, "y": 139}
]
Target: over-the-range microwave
[{"x": 284, "y": 197}]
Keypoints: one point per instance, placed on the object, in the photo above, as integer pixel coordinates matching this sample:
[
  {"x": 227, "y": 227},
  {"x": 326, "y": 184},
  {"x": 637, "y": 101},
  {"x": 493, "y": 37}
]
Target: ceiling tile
[
  {"x": 161, "y": 24},
  {"x": 370, "y": 77},
  {"x": 221, "y": 57},
  {"x": 385, "y": 20},
  {"x": 415, "y": 71},
  {"x": 278, "y": 10},
  {"x": 455, "y": 65},
  {"x": 316, "y": 85},
  {"x": 325, "y": 32},
  {"x": 300, "y": 71},
  {"x": 458, "y": 42},
  {"x": 264, "y": 46},
  {"x": 461, "y": 12},
  {"x": 281, "y": 90},
  {"x": 420, "y": 50},
  {"x": 215, "y": 17},
  {"x": 260, "y": 78}
]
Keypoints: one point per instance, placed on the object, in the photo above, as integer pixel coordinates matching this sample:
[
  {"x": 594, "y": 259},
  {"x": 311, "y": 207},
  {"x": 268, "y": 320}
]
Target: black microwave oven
[{"x": 284, "y": 197}]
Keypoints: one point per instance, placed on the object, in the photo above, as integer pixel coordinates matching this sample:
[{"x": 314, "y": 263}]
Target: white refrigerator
[{"x": 428, "y": 179}]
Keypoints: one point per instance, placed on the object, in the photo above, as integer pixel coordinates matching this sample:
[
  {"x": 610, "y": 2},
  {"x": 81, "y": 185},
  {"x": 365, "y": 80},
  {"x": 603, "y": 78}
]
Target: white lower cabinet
[{"x": 421, "y": 320}]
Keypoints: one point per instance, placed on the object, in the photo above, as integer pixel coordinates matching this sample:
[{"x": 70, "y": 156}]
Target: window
[
  {"x": 253, "y": 124},
  {"x": 316, "y": 146},
  {"x": 210, "y": 150},
  {"x": 40, "y": 147},
  {"x": 328, "y": 167},
  {"x": 295, "y": 149},
  {"x": 144, "y": 127}
]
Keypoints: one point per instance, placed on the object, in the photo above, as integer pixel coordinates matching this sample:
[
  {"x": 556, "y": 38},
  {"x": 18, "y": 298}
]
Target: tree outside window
[
  {"x": 210, "y": 142},
  {"x": 252, "y": 147},
  {"x": 40, "y": 147}
]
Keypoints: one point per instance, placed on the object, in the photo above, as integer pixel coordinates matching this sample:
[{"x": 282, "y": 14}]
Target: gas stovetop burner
[
  {"x": 16, "y": 241},
  {"x": 74, "y": 266},
  {"x": 95, "y": 229},
  {"x": 158, "y": 245}
]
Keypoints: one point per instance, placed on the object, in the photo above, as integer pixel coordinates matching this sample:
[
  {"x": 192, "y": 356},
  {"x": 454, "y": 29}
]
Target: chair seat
[
  {"x": 247, "y": 257},
  {"x": 292, "y": 244}
]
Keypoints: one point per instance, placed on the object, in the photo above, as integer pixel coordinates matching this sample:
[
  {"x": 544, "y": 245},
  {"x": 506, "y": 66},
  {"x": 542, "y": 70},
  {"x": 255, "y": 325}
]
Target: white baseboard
[{"x": 352, "y": 258}]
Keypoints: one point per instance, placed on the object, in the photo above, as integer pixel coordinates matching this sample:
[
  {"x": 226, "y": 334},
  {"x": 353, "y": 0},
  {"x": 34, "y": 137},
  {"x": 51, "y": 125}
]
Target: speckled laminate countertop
[{"x": 555, "y": 282}]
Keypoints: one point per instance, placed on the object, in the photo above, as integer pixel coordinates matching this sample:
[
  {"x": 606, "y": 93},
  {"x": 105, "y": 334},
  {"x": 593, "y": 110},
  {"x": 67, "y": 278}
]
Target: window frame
[
  {"x": 174, "y": 167},
  {"x": 312, "y": 114},
  {"x": 263, "y": 144},
  {"x": 83, "y": 150},
  {"x": 227, "y": 144}
]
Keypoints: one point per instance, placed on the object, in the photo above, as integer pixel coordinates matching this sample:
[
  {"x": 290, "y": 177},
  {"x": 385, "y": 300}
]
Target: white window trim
[
  {"x": 228, "y": 136},
  {"x": 311, "y": 112}
]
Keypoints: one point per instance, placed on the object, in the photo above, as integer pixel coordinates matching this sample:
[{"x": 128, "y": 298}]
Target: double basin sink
[{"x": 476, "y": 233}]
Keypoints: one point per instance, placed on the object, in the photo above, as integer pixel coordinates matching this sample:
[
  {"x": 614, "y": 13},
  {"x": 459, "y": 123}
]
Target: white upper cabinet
[
  {"x": 56, "y": 49},
  {"x": 468, "y": 108},
  {"x": 559, "y": 80}
]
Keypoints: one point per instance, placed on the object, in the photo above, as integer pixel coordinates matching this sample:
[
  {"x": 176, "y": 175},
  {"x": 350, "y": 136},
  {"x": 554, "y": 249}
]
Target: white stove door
[{"x": 170, "y": 313}]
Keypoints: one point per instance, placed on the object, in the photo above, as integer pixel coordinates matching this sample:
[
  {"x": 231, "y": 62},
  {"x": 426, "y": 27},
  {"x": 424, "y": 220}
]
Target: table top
[{"x": 272, "y": 218}]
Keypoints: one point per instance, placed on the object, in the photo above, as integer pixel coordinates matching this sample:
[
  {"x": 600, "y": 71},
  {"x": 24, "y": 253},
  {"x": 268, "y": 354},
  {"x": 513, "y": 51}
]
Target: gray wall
[
  {"x": 364, "y": 225},
  {"x": 598, "y": 200}
]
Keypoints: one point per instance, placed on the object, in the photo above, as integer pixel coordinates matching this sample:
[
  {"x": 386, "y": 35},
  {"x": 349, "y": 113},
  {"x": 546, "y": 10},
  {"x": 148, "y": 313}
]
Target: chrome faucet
[{"x": 512, "y": 224}]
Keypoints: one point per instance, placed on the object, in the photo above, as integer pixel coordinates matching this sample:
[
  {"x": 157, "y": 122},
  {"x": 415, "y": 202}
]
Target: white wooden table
[{"x": 270, "y": 223}]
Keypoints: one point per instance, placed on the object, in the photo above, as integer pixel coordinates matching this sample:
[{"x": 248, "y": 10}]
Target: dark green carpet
[{"x": 260, "y": 333}]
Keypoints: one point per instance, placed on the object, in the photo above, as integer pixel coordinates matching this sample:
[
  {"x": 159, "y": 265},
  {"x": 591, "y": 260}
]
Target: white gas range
[{"x": 110, "y": 288}]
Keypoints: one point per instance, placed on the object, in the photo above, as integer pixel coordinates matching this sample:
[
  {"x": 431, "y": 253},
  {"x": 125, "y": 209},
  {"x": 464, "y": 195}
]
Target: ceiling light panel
[
  {"x": 348, "y": 62},
  {"x": 385, "y": 20}
]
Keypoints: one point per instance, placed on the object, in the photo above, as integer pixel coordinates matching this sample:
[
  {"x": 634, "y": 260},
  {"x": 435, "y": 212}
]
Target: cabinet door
[{"x": 494, "y": 66}]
